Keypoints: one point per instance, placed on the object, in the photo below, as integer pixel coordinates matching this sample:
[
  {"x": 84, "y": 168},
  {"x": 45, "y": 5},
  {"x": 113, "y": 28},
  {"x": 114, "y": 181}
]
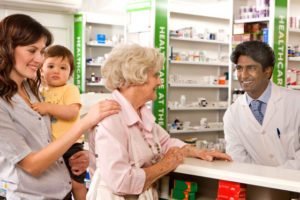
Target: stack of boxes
[
  {"x": 231, "y": 191},
  {"x": 248, "y": 32},
  {"x": 184, "y": 190}
]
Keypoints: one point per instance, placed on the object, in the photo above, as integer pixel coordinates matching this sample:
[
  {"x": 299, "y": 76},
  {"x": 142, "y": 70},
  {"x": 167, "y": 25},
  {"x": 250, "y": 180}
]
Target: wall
[{"x": 60, "y": 25}]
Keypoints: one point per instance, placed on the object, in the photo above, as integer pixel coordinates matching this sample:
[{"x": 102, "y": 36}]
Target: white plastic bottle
[{"x": 182, "y": 100}]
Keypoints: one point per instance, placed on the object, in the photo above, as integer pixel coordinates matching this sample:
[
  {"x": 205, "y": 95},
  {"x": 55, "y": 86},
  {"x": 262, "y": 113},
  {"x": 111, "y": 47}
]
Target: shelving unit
[
  {"x": 186, "y": 85},
  {"x": 199, "y": 40},
  {"x": 200, "y": 130},
  {"x": 294, "y": 39},
  {"x": 198, "y": 63},
  {"x": 93, "y": 65},
  {"x": 92, "y": 25},
  {"x": 254, "y": 20},
  {"x": 192, "y": 71},
  {"x": 196, "y": 109}
]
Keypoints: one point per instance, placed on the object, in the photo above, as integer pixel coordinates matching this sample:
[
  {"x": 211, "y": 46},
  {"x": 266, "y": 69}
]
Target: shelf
[
  {"x": 296, "y": 59},
  {"x": 294, "y": 87},
  {"x": 197, "y": 108},
  {"x": 196, "y": 86},
  {"x": 199, "y": 40},
  {"x": 294, "y": 30},
  {"x": 97, "y": 18},
  {"x": 258, "y": 175},
  {"x": 264, "y": 19},
  {"x": 95, "y": 84},
  {"x": 93, "y": 65},
  {"x": 98, "y": 45},
  {"x": 196, "y": 130},
  {"x": 197, "y": 63},
  {"x": 196, "y": 13}
]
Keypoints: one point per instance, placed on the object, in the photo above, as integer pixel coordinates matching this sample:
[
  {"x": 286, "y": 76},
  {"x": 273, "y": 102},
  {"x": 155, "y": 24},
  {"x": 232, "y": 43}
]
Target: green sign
[
  {"x": 161, "y": 41},
  {"x": 280, "y": 31},
  {"x": 137, "y": 5},
  {"x": 78, "y": 27}
]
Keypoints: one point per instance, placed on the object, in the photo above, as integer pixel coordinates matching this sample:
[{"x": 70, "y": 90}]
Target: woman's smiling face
[{"x": 28, "y": 59}]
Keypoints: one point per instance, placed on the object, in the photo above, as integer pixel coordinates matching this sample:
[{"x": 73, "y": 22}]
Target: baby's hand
[{"x": 40, "y": 107}]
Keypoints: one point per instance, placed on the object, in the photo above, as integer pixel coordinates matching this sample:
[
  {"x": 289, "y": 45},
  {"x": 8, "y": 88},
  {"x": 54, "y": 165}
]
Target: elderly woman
[{"x": 122, "y": 141}]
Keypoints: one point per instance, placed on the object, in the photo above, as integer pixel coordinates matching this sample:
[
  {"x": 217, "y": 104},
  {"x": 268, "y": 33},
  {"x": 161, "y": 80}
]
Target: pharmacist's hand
[
  {"x": 173, "y": 158},
  {"x": 40, "y": 107},
  {"x": 101, "y": 110},
  {"x": 79, "y": 162},
  {"x": 210, "y": 155}
]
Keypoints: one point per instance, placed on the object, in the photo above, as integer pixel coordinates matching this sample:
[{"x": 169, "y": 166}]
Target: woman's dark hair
[
  {"x": 18, "y": 30},
  {"x": 259, "y": 51}
]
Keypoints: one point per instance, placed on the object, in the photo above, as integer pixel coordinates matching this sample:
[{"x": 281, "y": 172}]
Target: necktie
[{"x": 256, "y": 110}]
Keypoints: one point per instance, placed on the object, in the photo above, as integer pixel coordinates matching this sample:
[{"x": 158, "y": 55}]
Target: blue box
[
  {"x": 266, "y": 35},
  {"x": 101, "y": 38}
]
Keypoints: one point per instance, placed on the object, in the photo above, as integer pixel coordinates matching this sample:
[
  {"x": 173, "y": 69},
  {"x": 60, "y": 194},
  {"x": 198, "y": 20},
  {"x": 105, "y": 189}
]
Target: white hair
[{"x": 129, "y": 65}]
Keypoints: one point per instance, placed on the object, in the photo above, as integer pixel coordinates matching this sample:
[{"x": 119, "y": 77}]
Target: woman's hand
[
  {"x": 101, "y": 110},
  {"x": 173, "y": 158},
  {"x": 79, "y": 162},
  {"x": 170, "y": 161},
  {"x": 204, "y": 154}
]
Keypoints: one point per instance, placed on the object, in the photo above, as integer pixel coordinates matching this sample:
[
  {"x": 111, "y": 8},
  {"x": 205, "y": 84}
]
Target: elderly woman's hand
[
  {"x": 204, "y": 154},
  {"x": 173, "y": 157},
  {"x": 210, "y": 155}
]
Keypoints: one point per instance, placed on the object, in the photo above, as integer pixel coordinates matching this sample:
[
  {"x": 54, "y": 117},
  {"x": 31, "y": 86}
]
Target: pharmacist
[{"x": 263, "y": 125}]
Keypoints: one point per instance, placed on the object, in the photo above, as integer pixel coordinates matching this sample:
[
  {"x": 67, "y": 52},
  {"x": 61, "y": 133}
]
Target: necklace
[{"x": 156, "y": 155}]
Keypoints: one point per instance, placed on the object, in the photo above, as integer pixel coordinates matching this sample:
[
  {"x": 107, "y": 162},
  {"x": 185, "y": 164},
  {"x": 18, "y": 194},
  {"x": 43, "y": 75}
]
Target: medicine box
[
  {"x": 236, "y": 39},
  {"x": 185, "y": 185},
  {"x": 101, "y": 38},
  {"x": 181, "y": 195},
  {"x": 241, "y": 28}
]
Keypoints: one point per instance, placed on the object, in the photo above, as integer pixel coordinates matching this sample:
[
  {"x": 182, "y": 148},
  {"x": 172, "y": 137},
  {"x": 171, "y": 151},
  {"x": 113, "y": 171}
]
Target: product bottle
[
  {"x": 182, "y": 100},
  {"x": 93, "y": 78},
  {"x": 234, "y": 74},
  {"x": 87, "y": 180}
]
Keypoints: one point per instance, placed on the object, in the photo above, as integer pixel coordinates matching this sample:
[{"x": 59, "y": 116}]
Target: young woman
[{"x": 29, "y": 160}]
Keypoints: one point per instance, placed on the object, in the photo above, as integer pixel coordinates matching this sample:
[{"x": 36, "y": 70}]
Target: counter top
[{"x": 264, "y": 176}]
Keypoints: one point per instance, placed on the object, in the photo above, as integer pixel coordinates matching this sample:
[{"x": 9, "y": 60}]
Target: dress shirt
[
  {"x": 110, "y": 143},
  {"x": 263, "y": 98}
]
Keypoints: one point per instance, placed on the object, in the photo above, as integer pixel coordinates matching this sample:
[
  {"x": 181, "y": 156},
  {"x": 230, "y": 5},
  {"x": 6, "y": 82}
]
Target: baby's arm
[{"x": 66, "y": 112}]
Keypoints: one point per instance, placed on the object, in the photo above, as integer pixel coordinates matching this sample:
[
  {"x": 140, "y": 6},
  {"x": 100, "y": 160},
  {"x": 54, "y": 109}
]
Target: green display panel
[
  {"x": 161, "y": 38},
  {"x": 138, "y": 5},
  {"x": 280, "y": 31},
  {"x": 78, "y": 27}
]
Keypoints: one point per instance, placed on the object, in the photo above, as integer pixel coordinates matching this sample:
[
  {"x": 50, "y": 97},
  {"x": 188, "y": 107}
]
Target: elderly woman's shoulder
[{"x": 113, "y": 120}]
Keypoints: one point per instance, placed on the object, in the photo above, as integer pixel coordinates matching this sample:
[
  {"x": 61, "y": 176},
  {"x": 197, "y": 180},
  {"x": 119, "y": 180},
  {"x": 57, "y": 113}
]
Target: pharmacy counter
[{"x": 257, "y": 175}]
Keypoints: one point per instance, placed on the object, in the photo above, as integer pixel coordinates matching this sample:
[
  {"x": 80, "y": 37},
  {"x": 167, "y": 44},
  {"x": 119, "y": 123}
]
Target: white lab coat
[{"x": 248, "y": 141}]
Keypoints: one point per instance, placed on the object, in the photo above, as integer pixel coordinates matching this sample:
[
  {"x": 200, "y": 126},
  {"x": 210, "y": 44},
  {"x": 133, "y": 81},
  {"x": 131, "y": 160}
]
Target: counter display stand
[{"x": 263, "y": 182}]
